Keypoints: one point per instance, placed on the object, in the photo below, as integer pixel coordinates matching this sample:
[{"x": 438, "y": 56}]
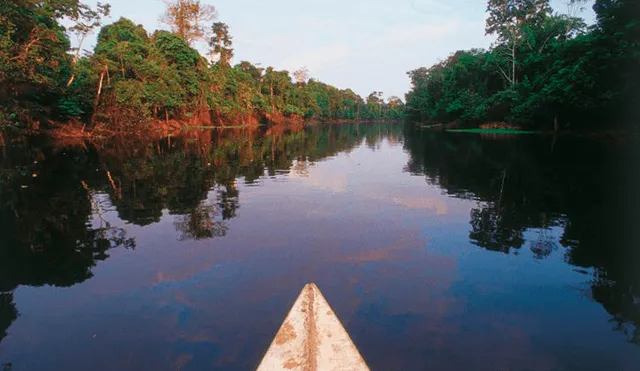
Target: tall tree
[
  {"x": 301, "y": 76},
  {"x": 276, "y": 84},
  {"x": 85, "y": 24},
  {"x": 507, "y": 19},
  {"x": 187, "y": 18},
  {"x": 133, "y": 78},
  {"x": 374, "y": 104},
  {"x": 220, "y": 43},
  {"x": 618, "y": 31}
]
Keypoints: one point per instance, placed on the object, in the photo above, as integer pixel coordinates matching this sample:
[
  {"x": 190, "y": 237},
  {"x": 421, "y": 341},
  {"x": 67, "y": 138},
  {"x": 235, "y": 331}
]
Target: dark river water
[{"x": 437, "y": 251}]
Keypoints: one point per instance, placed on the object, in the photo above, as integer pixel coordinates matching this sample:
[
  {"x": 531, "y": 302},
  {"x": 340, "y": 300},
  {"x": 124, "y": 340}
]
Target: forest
[
  {"x": 545, "y": 71},
  {"x": 134, "y": 78}
]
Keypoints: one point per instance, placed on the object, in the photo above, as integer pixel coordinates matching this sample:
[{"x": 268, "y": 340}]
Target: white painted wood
[{"x": 312, "y": 339}]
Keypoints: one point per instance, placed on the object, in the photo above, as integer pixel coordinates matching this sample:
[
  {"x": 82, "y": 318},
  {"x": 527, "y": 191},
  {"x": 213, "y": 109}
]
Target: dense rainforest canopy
[
  {"x": 544, "y": 71},
  {"x": 134, "y": 77}
]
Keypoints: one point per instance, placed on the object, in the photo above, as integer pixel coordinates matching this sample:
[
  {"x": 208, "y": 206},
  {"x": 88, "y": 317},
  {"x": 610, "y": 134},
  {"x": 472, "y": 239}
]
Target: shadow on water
[{"x": 536, "y": 183}]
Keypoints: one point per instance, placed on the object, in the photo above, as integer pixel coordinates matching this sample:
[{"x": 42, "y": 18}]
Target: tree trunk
[
  {"x": 513, "y": 64},
  {"x": 504, "y": 177},
  {"x": 75, "y": 59},
  {"x": 273, "y": 105},
  {"x": 97, "y": 100},
  {"x": 73, "y": 76},
  {"x": 95, "y": 103},
  {"x": 4, "y": 148}
]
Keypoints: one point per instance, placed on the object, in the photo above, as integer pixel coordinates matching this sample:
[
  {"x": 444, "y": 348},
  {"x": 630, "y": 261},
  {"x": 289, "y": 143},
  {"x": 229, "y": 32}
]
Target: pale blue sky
[{"x": 365, "y": 45}]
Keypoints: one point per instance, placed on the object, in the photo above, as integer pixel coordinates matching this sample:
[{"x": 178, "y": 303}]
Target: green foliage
[
  {"x": 33, "y": 58},
  {"x": 133, "y": 78},
  {"x": 507, "y": 18},
  {"x": 545, "y": 70},
  {"x": 457, "y": 88},
  {"x": 177, "y": 56},
  {"x": 221, "y": 42}
]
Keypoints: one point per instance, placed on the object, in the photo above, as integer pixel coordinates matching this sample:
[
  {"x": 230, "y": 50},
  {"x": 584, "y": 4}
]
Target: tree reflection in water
[
  {"x": 535, "y": 184},
  {"x": 548, "y": 195},
  {"x": 53, "y": 196}
]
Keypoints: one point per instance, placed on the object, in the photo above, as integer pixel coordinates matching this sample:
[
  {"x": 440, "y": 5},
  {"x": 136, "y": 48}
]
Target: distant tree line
[
  {"x": 135, "y": 77},
  {"x": 545, "y": 70}
]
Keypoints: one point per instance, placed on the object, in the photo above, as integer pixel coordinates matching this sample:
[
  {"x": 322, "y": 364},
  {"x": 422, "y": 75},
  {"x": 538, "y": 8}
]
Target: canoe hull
[{"x": 312, "y": 338}]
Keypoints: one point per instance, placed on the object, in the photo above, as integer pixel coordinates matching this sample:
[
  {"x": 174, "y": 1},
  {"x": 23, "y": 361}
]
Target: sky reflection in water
[{"x": 440, "y": 251}]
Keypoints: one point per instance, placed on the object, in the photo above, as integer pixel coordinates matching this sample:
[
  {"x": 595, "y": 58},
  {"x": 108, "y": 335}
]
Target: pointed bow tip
[{"x": 312, "y": 338}]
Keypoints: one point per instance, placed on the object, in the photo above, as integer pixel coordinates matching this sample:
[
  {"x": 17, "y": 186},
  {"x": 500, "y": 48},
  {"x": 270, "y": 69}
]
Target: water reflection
[
  {"x": 538, "y": 183},
  {"x": 8, "y": 313},
  {"x": 223, "y": 226},
  {"x": 45, "y": 223},
  {"x": 53, "y": 196}
]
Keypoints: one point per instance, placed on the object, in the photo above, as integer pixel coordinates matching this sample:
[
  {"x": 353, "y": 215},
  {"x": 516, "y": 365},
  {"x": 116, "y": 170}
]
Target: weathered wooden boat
[{"x": 312, "y": 338}]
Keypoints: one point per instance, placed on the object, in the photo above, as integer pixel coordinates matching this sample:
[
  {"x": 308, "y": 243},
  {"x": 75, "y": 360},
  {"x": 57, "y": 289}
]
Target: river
[{"x": 437, "y": 251}]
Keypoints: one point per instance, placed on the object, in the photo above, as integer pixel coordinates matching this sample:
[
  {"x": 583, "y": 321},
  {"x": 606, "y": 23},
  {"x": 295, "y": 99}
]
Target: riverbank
[
  {"x": 499, "y": 130},
  {"x": 159, "y": 129}
]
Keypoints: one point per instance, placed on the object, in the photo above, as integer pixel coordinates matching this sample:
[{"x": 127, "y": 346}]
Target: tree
[
  {"x": 121, "y": 54},
  {"x": 618, "y": 38},
  {"x": 85, "y": 23},
  {"x": 187, "y": 68},
  {"x": 506, "y": 20},
  {"x": 134, "y": 79},
  {"x": 220, "y": 43},
  {"x": 301, "y": 76},
  {"x": 395, "y": 107},
  {"x": 276, "y": 84},
  {"x": 188, "y": 17},
  {"x": 34, "y": 63},
  {"x": 374, "y": 104},
  {"x": 457, "y": 88},
  {"x": 254, "y": 71},
  {"x": 546, "y": 71}
]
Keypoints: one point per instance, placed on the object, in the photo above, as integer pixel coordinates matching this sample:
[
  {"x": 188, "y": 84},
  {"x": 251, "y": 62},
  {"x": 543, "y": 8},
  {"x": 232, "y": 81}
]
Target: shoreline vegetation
[
  {"x": 618, "y": 135},
  {"x": 546, "y": 72},
  {"x": 157, "y": 130},
  {"x": 136, "y": 81},
  {"x": 494, "y": 131}
]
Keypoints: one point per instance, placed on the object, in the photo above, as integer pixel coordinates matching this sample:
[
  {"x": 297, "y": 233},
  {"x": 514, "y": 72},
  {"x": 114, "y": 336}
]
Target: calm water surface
[{"x": 437, "y": 251}]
